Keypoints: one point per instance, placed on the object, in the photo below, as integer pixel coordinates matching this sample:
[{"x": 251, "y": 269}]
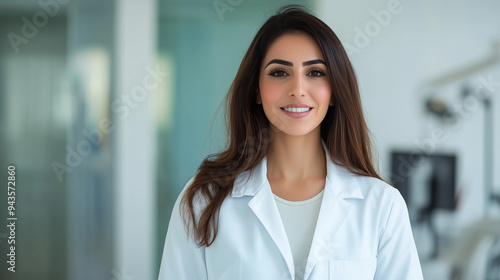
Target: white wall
[
  {"x": 422, "y": 41},
  {"x": 137, "y": 77}
]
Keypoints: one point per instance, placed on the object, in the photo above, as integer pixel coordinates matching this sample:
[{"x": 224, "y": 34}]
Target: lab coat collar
[
  {"x": 341, "y": 181},
  {"x": 339, "y": 185}
]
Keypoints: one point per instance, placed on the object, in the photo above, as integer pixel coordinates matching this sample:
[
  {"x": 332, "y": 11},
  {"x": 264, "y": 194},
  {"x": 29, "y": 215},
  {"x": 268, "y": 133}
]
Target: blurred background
[{"x": 108, "y": 107}]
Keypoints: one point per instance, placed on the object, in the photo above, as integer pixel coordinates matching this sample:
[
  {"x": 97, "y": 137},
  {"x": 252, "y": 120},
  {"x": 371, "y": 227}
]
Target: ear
[
  {"x": 331, "y": 101},
  {"x": 259, "y": 99}
]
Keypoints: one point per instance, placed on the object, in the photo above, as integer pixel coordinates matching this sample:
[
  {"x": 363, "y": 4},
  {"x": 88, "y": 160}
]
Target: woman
[{"x": 295, "y": 194}]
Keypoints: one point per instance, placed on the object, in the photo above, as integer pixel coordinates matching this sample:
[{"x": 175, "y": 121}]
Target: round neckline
[{"x": 300, "y": 202}]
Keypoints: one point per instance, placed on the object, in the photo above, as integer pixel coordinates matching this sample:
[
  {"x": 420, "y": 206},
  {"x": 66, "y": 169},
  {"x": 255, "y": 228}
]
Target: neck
[{"x": 296, "y": 157}]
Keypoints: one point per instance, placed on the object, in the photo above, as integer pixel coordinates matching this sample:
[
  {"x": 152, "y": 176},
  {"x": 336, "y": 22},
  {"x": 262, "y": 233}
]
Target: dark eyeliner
[
  {"x": 274, "y": 71},
  {"x": 322, "y": 74}
]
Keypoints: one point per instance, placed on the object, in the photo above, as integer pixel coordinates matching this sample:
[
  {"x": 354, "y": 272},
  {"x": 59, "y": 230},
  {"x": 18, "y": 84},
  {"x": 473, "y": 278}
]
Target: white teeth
[{"x": 296, "y": 110}]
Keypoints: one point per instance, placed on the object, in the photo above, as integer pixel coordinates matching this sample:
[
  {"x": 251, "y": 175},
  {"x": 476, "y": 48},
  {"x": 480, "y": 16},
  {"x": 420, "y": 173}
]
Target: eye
[
  {"x": 316, "y": 73},
  {"x": 278, "y": 73}
]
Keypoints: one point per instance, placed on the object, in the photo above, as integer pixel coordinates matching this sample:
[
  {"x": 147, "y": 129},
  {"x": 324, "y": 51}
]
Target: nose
[{"x": 298, "y": 87}]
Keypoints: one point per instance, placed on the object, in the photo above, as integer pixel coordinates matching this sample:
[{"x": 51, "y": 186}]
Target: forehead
[{"x": 296, "y": 47}]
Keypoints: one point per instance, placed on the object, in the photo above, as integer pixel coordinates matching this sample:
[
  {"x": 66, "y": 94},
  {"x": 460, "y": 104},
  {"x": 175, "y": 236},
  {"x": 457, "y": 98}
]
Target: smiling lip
[{"x": 296, "y": 110}]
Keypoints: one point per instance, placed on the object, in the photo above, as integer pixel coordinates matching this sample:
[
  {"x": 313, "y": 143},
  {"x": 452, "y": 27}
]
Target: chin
[{"x": 298, "y": 131}]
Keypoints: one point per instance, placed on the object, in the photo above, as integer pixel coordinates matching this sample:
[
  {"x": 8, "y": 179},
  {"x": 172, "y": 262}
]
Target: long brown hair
[{"x": 343, "y": 130}]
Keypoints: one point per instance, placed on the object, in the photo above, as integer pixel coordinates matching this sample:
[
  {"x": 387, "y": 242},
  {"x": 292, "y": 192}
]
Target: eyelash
[{"x": 273, "y": 73}]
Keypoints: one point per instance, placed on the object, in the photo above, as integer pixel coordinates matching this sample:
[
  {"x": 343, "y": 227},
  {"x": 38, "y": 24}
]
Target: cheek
[
  {"x": 323, "y": 94},
  {"x": 270, "y": 93}
]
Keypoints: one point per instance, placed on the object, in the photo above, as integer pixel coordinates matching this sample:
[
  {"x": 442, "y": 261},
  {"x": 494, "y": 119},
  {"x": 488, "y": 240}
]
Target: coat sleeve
[
  {"x": 181, "y": 259},
  {"x": 397, "y": 254}
]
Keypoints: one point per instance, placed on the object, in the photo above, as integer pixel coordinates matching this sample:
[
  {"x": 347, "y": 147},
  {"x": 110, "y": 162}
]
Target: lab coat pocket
[{"x": 352, "y": 269}]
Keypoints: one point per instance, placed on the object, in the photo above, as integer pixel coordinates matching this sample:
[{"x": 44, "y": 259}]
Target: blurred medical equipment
[
  {"x": 475, "y": 254},
  {"x": 482, "y": 94},
  {"x": 427, "y": 183}
]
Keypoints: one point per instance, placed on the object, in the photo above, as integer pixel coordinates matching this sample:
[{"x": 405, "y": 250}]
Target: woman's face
[{"x": 294, "y": 89}]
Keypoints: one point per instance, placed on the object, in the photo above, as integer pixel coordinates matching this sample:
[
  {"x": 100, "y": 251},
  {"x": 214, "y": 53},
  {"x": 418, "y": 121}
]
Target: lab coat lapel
[
  {"x": 333, "y": 212},
  {"x": 254, "y": 183},
  {"x": 264, "y": 207},
  {"x": 339, "y": 185}
]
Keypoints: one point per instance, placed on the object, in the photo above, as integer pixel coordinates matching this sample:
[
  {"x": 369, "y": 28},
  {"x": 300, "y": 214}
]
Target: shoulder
[
  {"x": 184, "y": 189},
  {"x": 380, "y": 193},
  {"x": 197, "y": 200},
  {"x": 374, "y": 186},
  {"x": 366, "y": 188},
  {"x": 382, "y": 202}
]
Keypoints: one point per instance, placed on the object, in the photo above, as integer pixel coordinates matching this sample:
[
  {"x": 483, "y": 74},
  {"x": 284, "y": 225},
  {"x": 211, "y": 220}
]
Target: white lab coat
[{"x": 363, "y": 232}]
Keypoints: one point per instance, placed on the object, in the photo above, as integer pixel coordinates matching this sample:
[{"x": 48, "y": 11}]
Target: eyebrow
[{"x": 288, "y": 63}]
